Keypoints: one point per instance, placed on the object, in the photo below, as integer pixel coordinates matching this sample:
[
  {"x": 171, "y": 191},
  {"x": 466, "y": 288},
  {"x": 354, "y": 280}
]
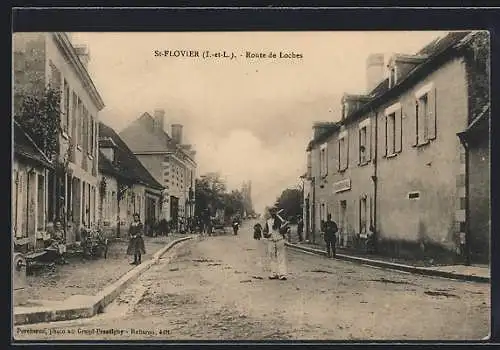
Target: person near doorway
[
  {"x": 136, "y": 244},
  {"x": 274, "y": 231},
  {"x": 58, "y": 243},
  {"x": 330, "y": 230},
  {"x": 300, "y": 228}
]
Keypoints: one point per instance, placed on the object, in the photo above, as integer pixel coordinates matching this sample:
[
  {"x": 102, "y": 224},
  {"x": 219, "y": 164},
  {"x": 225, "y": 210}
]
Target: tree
[
  {"x": 210, "y": 190},
  {"x": 40, "y": 115},
  {"x": 233, "y": 203},
  {"x": 290, "y": 201}
]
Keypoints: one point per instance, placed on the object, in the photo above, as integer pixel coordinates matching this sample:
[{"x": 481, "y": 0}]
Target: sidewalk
[
  {"x": 475, "y": 273},
  {"x": 84, "y": 287}
]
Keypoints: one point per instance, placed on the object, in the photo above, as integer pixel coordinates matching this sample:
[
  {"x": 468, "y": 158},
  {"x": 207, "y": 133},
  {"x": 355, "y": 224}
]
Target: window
[
  {"x": 393, "y": 130},
  {"x": 343, "y": 152},
  {"x": 74, "y": 117},
  {"x": 85, "y": 130},
  {"x": 363, "y": 215},
  {"x": 80, "y": 122},
  {"x": 323, "y": 161},
  {"x": 364, "y": 142},
  {"x": 391, "y": 133},
  {"x": 425, "y": 115},
  {"x": 65, "y": 101},
  {"x": 392, "y": 76},
  {"x": 41, "y": 202},
  {"x": 91, "y": 139}
]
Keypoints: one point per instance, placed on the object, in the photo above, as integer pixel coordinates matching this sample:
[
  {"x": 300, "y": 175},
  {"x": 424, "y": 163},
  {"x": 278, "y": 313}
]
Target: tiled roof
[
  {"x": 25, "y": 147},
  {"x": 382, "y": 92},
  {"x": 141, "y": 136},
  {"x": 126, "y": 164},
  {"x": 330, "y": 130}
]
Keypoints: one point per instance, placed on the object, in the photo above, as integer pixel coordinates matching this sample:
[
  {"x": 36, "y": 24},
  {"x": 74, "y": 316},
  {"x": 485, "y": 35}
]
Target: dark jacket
[
  {"x": 257, "y": 231},
  {"x": 330, "y": 229}
]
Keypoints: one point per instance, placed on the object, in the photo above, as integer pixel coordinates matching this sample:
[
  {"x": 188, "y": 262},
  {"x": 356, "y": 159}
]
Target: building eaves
[
  {"x": 332, "y": 129},
  {"x": 25, "y": 147},
  {"x": 69, "y": 51},
  {"x": 126, "y": 162},
  {"x": 438, "y": 52}
]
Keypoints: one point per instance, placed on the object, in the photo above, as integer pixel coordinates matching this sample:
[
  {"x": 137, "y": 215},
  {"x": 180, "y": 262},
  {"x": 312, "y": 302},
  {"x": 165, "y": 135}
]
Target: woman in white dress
[{"x": 273, "y": 231}]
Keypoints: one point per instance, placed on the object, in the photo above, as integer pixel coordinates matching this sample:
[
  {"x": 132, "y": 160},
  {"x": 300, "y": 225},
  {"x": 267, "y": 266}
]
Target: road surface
[{"x": 215, "y": 289}]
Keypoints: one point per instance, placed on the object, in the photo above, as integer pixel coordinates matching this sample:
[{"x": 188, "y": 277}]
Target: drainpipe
[
  {"x": 467, "y": 255},
  {"x": 313, "y": 211}
]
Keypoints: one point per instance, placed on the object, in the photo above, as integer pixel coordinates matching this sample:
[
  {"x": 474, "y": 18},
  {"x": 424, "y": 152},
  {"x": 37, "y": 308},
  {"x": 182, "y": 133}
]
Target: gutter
[
  {"x": 447, "y": 54},
  {"x": 68, "y": 49}
]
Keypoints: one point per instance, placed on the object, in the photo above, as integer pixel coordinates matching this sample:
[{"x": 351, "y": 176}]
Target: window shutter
[
  {"x": 432, "y": 108},
  {"x": 326, "y": 160},
  {"x": 386, "y": 135},
  {"x": 346, "y": 143},
  {"x": 368, "y": 145},
  {"x": 369, "y": 210},
  {"x": 416, "y": 123},
  {"x": 339, "y": 161},
  {"x": 359, "y": 146},
  {"x": 398, "y": 121},
  {"x": 359, "y": 215}
]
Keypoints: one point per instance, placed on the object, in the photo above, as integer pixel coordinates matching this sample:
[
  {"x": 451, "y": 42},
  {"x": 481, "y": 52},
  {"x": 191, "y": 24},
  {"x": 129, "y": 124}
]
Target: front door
[{"x": 343, "y": 223}]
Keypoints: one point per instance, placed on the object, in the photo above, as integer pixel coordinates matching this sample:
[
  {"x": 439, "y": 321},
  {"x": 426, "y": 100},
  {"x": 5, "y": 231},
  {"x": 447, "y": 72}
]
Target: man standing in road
[
  {"x": 330, "y": 229},
  {"x": 274, "y": 232}
]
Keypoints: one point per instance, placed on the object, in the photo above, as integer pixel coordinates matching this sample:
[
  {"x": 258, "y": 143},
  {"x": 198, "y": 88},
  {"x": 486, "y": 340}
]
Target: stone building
[
  {"x": 43, "y": 59},
  {"x": 396, "y": 164},
  {"x": 171, "y": 162},
  {"x": 31, "y": 169},
  {"x": 125, "y": 186}
]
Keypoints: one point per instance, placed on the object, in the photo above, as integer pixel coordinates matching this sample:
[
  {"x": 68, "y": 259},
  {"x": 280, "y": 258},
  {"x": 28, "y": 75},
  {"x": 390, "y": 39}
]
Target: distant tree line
[{"x": 213, "y": 197}]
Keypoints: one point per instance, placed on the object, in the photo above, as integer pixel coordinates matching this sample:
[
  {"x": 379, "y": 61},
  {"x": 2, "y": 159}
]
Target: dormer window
[
  {"x": 345, "y": 110},
  {"x": 392, "y": 76},
  {"x": 107, "y": 147}
]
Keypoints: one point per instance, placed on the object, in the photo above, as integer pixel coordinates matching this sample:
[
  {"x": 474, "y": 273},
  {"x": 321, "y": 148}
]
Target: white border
[
  {"x": 424, "y": 89},
  {"x": 323, "y": 146},
  {"x": 391, "y": 109},
  {"x": 364, "y": 123},
  {"x": 342, "y": 134}
]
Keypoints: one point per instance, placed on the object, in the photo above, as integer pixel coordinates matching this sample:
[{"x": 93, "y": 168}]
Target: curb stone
[
  {"x": 93, "y": 304},
  {"x": 395, "y": 266}
]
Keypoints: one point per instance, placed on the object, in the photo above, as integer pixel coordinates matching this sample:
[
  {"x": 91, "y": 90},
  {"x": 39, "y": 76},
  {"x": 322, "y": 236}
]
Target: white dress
[{"x": 276, "y": 251}]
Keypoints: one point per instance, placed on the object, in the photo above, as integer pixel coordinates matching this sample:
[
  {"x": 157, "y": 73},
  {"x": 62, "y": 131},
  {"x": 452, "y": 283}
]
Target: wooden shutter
[
  {"x": 346, "y": 143},
  {"x": 368, "y": 145},
  {"x": 386, "y": 135},
  {"x": 369, "y": 203},
  {"x": 359, "y": 215},
  {"x": 339, "y": 161},
  {"x": 416, "y": 124},
  {"x": 359, "y": 145},
  {"x": 398, "y": 129},
  {"x": 432, "y": 108}
]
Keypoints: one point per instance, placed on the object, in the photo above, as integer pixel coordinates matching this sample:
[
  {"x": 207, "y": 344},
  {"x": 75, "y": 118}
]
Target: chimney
[
  {"x": 177, "y": 133},
  {"x": 83, "y": 54},
  {"x": 374, "y": 71},
  {"x": 319, "y": 128},
  {"x": 159, "y": 119}
]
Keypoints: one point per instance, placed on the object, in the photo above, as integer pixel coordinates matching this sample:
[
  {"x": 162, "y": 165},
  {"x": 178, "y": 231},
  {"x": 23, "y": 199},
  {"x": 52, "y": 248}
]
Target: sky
[{"x": 248, "y": 119}]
